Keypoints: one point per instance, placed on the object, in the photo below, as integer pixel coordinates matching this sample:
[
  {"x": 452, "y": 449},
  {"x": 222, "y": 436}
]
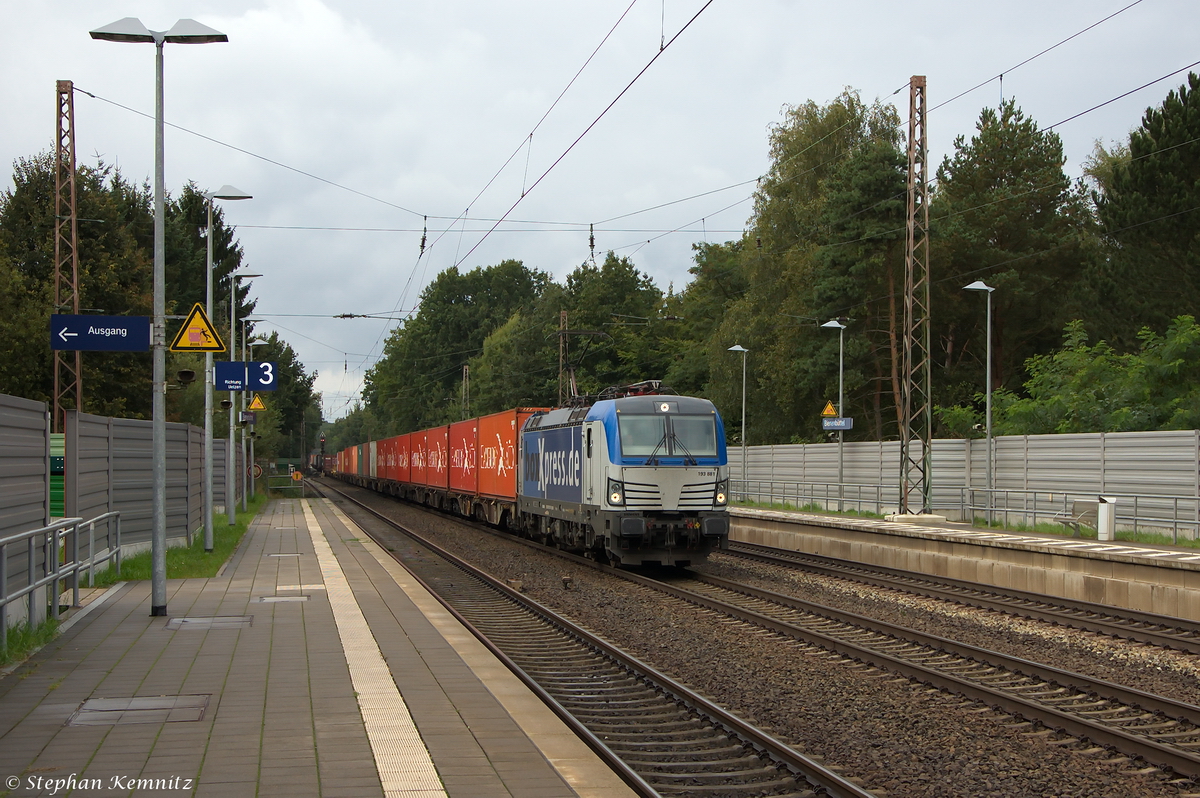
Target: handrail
[{"x": 64, "y": 535}]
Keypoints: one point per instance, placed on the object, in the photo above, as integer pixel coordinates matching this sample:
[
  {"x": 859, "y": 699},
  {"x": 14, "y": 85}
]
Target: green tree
[
  {"x": 115, "y": 233},
  {"x": 1086, "y": 387},
  {"x": 1003, "y": 212},
  {"x": 1148, "y": 210},
  {"x": 697, "y": 312},
  {"x": 417, "y": 382},
  {"x": 824, "y": 245},
  {"x": 294, "y": 407}
]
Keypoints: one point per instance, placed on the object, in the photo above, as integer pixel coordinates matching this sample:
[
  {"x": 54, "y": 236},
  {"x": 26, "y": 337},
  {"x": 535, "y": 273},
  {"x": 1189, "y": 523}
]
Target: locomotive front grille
[
  {"x": 648, "y": 496},
  {"x": 697, "y": 496},
  {"x": 642, "y": 496}
]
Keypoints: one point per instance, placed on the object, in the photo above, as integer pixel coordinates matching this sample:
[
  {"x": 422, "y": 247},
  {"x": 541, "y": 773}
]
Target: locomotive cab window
[
  {"x": 694, "y": 435},
  {"x": 668, "y": 436},
  {"x": 642, "y": 435}
]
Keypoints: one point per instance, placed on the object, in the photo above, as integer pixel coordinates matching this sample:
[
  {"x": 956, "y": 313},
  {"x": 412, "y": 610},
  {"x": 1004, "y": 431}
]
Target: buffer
[{"x": 197, "y": 334}]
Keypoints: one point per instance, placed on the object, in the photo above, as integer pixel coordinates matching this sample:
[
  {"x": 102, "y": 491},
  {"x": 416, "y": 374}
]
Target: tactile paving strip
[{"x": 405, "y": 768}]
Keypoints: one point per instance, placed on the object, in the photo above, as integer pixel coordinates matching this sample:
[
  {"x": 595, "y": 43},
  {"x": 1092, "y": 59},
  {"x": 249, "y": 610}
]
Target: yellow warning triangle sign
[
  {"x": 197, "y": 334},
  {"x": 829, "y": 410},
  {"x": 257, "y": 403}
]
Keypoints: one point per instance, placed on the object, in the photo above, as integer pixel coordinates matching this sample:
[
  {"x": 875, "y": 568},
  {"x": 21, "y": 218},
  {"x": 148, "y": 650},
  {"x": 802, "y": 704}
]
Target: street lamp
[
  {"x": 225, "y": 192},
  {"x": 250, "y": 462},
  {"x": 231, "y": 472},
  {"x": 980, "y": 285},
  {"x": 743, "y": 350},
  {"x": 185, "y": 31},
  {"x": 841, "y": 328}
]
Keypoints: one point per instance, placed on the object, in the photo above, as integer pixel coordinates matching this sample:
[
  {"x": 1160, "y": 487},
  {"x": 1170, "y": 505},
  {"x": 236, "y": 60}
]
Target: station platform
[
  {"x": 1162, "y": 580},
  {"x": 313, "y": 664}
]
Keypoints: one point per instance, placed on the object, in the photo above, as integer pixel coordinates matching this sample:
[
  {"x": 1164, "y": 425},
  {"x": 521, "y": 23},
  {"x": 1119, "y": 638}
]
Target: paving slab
[{"x": 260, "y": 698}]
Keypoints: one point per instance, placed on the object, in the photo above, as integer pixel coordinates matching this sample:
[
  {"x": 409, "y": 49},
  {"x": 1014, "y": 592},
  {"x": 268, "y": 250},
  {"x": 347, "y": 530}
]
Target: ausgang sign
[{"x": 100, "y": 333}]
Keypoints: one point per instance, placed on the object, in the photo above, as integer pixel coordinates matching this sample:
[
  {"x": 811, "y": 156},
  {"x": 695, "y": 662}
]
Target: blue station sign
[
  {"x": 100, "y": 333},
  {"x": 837, "y": 423},
  {"x": 241, "y": 375}
]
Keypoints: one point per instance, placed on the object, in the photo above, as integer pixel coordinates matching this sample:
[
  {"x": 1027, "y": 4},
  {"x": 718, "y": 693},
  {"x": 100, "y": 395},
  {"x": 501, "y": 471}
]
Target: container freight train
[{"x": 634, "y": 480}]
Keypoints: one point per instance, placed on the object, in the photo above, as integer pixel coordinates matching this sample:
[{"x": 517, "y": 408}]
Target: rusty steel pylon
[
  {"x": 68, "y": 366},
  {"x": 916, "y": 406}
]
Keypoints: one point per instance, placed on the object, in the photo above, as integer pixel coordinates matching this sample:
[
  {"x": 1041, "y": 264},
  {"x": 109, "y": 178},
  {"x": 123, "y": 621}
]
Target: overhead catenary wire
[{"x": 588, "y": 129}]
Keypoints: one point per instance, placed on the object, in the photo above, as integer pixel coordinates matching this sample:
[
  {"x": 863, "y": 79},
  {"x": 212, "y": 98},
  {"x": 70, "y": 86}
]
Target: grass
[
  {"x": 811, "y": 507},
  {"x": 22, "y": 640},
  {"x": 183, "y": 562},
  {"x": 1086, "y": 533},
  {"x": 1043, "y": 528},
  {"x": 190, "y": 562}
]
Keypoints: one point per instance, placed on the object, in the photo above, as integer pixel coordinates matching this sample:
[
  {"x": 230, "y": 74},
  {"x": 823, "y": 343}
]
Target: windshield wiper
[
  {"x": 650, "y": 460},
  {"x": 690, "y": 457}
]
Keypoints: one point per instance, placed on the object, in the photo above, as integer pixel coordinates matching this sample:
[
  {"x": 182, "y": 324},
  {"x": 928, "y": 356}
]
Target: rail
[
  {"x": 61, "y": 536},
  {"x": 1176, "y": 516}
]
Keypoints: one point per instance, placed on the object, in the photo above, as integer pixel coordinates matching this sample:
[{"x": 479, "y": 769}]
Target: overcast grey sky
[{"x": 411, "y": 108}]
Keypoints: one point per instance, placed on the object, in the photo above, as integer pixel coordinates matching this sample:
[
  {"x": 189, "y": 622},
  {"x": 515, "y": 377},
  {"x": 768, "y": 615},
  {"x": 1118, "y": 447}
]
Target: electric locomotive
[
  {"x": 633, "y": 477},
  {"x": 639, "y": 479}
]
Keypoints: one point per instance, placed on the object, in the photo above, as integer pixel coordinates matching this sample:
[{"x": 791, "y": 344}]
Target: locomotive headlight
[
  {"x": 721, "y": 497},
  {"x": 616, "y": 492}
]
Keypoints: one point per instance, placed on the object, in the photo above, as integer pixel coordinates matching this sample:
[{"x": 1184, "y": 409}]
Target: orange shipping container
[
  {"x": 385, "y": 458},
  {"x": 437, "y": 457},
  {"x": 416, "y": 458},
  {"x": 401, "y": 468},
  {"x": 497, "y": 464},
  {"x": 464, "y": 456}
]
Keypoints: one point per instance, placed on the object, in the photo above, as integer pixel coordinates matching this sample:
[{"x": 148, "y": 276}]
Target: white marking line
[
  {"x": 574, "y": 761},
  {"x": 405, "y": 768},
  {"x": 300, "y": 587}
]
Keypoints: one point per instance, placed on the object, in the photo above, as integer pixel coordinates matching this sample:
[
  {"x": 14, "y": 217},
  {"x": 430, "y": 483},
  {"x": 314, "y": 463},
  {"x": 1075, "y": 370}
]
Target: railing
[
  {"x": 1136, "y": 512},
  {"x": 281, "y": 482},
  {"x": 63, "y": 534},
  {"x": 1178, "y": 516},
  {"x": 879, "y": 499}
]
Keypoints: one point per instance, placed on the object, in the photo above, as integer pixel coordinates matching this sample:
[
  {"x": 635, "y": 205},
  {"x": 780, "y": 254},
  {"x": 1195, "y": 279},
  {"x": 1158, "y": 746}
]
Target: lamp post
[
  {"x": 980, "y": 285},
  {"x": 225, "y": 192},
  {"x": 231, "y": 471},
  {"x": 743, "y": 350},
  {"x": 246, "y": 475},
  {"x": 185, "y": 31},
  {"x": 841, "y": 328}
]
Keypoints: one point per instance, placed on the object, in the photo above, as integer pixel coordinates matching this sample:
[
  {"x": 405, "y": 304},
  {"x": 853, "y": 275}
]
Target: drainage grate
[
  {"x": 140, "y": 709},
  {"x": 277, "y": 599},
  {"x": 217, "y": 622}
]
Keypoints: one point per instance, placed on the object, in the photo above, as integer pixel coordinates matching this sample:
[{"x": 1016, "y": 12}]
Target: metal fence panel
[
  {"x": 196, "y": 479},
  {"x": 24, "y": 465},
  {"x": 1159, "y": 462},
  {"x": 24, "y": 480},
  {"x": 109, "y": 467}
]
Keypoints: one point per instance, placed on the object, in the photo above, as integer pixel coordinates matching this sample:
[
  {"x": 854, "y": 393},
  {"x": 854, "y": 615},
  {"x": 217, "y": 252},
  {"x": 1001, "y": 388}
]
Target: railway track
[
  {"x": 663, "y": 738},
  {"x": 1143, "y": 627},
  {"x": 1156, "y": 729}
]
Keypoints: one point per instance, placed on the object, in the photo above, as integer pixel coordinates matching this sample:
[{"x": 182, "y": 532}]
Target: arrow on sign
[{"x": 63, "y": 334}]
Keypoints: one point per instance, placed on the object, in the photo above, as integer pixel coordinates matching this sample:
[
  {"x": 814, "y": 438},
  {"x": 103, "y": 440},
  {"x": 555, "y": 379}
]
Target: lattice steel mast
[
  {"x": 916, "y": 406},
  {"x": 68, "y": 366}
]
